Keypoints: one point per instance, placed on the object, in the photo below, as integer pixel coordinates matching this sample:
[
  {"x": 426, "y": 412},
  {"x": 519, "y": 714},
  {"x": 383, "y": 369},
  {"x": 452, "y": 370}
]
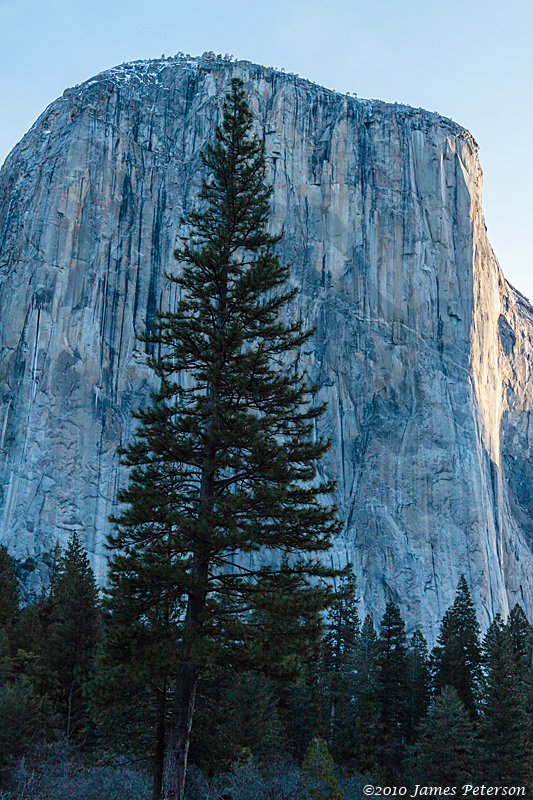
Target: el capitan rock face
[{"x": 422, "y": 350}]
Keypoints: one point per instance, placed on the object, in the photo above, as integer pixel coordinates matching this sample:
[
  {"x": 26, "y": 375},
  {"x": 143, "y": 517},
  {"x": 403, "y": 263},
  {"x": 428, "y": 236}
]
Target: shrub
[{"x": 55, "y": 772}]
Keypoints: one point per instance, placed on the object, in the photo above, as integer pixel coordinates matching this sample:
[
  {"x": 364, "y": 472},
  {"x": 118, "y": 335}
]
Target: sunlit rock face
[{"x": 422, "y": 350}]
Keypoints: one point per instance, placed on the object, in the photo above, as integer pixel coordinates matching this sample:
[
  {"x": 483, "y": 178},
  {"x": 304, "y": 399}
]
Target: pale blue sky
[{"x": 470, "y": 60}]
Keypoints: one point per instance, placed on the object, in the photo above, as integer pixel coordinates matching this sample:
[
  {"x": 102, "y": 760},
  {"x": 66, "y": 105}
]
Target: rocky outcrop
[{"x": 422, "y": 349}]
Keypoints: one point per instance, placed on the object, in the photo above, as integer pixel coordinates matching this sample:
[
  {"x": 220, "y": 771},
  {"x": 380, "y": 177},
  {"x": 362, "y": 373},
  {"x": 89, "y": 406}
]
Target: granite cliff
[{"x": 422, "y": 349}]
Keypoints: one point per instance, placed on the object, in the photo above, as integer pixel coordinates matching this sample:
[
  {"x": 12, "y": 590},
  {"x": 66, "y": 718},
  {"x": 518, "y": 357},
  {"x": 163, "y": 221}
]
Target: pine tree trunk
[
  {"x": 175, "y": 769},
  {"x": 180, "y": 732},
  {"x": 159, "y": 754}
]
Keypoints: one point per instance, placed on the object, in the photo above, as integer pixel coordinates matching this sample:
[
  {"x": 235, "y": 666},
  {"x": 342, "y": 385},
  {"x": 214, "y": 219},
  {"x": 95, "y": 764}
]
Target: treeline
[
  {"x": 385, "y": 705},
  {"x": 47, "y": 654}
]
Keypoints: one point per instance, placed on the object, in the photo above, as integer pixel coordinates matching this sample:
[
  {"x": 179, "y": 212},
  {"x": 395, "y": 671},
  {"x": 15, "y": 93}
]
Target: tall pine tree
[
  {"x": 506, "y": 725},
  {"x": 457, "y": 656},
  {"x": 223, "y": 473},
  {"x": 71, "y": 630},
  {"x": 392, "y": 690},
  {"x": 418, "y": 683},
  {"x": 338, "y": 659},
  {"x": 521, "y": 634},
  {"x": 366, "y": 730},
  {"x": 445, "y": 752}
]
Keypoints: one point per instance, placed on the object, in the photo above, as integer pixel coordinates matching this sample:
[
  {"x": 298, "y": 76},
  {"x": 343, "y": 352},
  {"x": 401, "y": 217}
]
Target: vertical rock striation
[{"x": 422, "y": 350}]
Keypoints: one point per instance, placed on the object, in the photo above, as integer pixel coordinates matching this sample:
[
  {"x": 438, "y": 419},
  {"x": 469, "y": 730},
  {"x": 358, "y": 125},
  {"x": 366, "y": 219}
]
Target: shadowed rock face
[{"x": 422, "y": 350}]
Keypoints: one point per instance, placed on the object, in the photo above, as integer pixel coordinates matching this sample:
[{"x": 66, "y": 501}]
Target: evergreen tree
[
  {"x": 30, "y": 649},
  {"x": 26, "y": 714},
  {"x": 338, "y": 660},
  {"x": 223, "y": 463},
  {"x": 506, "y": 724},
  {"x": 365, "y": 657},
  {"x": 342, "y": 626},
  {"x": 237, "y": 714},
  {"x": 366, "y": 695},
  {"x": 521, "y": 634},
  {"x": 444, "y": 754},
  {"x": 70, "y": 626},
  {"x": 300, "y": 708},
  {"x": 25, "y": 719},
  {"x": 9, "y": 603},
  {"x": 317, "y": 772},
  {"x": 283, "y": 632},
  {"x": 285, "y": 644},
  {"x": 457, "y": 656},
  {"x": 392, "y": 690},
  {"x": 9, "y": 590},
  {"x": 129, "y": 687},
  {"x": 418, "y": 683}
]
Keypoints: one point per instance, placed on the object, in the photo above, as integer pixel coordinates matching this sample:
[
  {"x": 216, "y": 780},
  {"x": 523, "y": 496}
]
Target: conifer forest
[
  {"x": 222, "y": 658},
  {"x": 361, "y": 706}
]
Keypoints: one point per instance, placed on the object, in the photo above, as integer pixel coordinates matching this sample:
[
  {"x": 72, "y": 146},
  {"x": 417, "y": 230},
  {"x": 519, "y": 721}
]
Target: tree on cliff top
[{"x": 223, "y": 462}]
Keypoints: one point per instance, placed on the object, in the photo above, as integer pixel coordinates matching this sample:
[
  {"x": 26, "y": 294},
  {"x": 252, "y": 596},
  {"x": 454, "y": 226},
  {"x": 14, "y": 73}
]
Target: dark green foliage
[
  {"x": 236, "y": 717},
  {"x": 30, "y": 642},
  {"x": 70, "y": 620},
  {"x": 25, "y": 718},
  {"x": 506, "y": 726},
  {"x": 9, "y": 603},
  {"x": 129, "y": 689},
  {"x": 418, "y": 683},
  {"x": 338, "y": 660},
  {"x": 365, "y": 657},
  {"x": 245, "y": 722},
  {"x": 366, "y": 730},
  {"x": 26, "y": 713},
  {"x": 9, "y": 590},
  {"x": 123, "y": 696},
  {"x": 223, "y": 461},
  {"x": 457, "y": 656},
  {"x": 342, "y": 627},
  {"x": 28, "y": 635},
  {"x": 30, "y": 647},
  {"x": 284, "y": 630},
  {"x": 301, "y": 708},
  {"x": 323, "y": 704},
  {"x": 521, "y": 634},
  {"x": 391, "y": 676},
  {"x": 444, "y": 754}
]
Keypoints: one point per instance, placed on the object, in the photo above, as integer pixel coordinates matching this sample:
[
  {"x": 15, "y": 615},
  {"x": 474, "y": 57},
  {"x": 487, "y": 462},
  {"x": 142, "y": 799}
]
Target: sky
[{"x": 470, "y": 60}]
